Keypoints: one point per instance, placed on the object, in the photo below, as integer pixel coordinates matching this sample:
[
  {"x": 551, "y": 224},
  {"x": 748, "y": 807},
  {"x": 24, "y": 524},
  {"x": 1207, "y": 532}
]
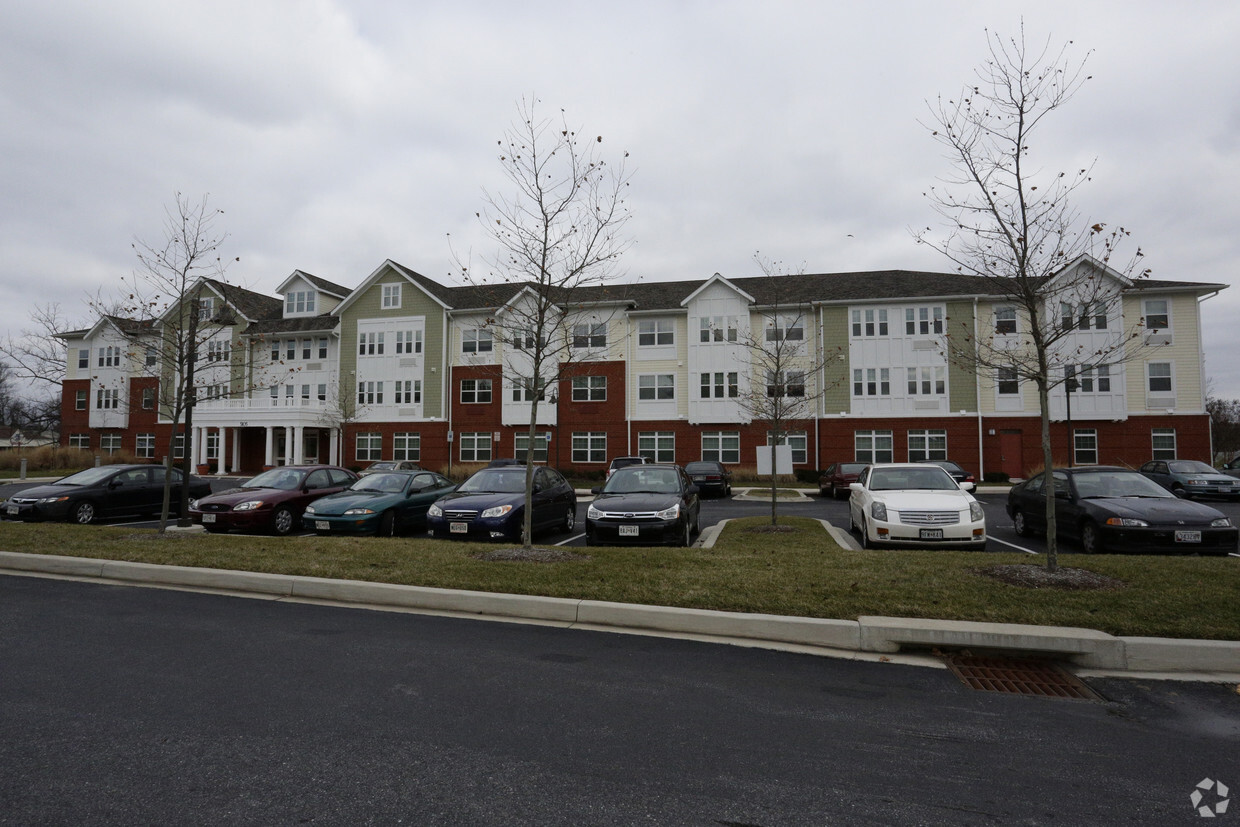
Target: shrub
[{"x": 996, "y": 476}]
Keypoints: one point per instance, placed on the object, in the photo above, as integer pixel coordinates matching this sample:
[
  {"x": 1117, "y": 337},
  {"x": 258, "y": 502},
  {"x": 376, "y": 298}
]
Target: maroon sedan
[
  {"x": 273, "y": 501},
  {"x": 837, "y": 477}
]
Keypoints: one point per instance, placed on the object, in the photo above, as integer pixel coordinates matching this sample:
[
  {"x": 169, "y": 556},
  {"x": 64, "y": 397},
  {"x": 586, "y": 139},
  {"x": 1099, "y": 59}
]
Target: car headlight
[
  {"x": 434, "y": 511},
  {"x": 47, "y": 500},
  {"x": 1130, "y": 522},
  {"x": 1198, "y": 482},
  {"x": 593, "y": 513},
  {"x": 309, "y": 509},
  {"x": 497, "y": 511},
  {"x": 1221, "y": 522},
  {"x": 976, "y": 514},
  {"x": 248, "y": 505},
  {"x": 669, "y": 513},
  {"x": 356, "y": 511},
  {"x": 878, "y": 511}
]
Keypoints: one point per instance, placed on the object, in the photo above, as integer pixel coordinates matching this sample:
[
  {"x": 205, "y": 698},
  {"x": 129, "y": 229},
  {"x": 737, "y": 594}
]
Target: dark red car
[
  {"x": 273, "y": 501},
  {"x": 837, "y": 476}
]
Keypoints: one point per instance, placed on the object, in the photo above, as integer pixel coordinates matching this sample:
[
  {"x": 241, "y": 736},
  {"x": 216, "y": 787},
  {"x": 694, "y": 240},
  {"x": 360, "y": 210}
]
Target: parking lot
[{"x": 741, "y": 504}]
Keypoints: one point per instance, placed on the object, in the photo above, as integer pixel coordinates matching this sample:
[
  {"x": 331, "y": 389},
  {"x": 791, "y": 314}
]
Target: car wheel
[
  {"x": 697, "y": 529},
  {"x": 685, "y": 538},
  {"x": 570, "y": 518},
  {"x": 282, "y": 521},
  {"x": 1021, "y": 525},
  {"x": 1179, "y": 491},
  {"x": 84, "y": 513},
  {"x": 727, "y": 492},
  {"x": 1091, "y": 541},
  {"x": 865, "y": 535},
  {"x": 387, "y": 525}
]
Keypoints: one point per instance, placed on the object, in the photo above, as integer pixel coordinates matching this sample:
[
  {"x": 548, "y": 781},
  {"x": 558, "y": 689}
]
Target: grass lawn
[{"x": 803, "y": 573}]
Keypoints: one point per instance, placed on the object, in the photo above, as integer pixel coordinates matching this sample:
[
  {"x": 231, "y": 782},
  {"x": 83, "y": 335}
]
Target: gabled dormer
[{"x": 306, "y": 295}]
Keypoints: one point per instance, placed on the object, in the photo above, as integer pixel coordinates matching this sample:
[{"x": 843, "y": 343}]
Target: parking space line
[
  {"x": 1013, "y": 545},
  {"x": 570, "y": 539}
]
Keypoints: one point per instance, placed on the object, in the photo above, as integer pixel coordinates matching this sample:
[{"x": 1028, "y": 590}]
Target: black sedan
[
  {"x": 491, "y": 503},
  {"x": 709, "y": 475},
  {"x": 644, "y": 505},
  {"x": 958, "y": 473},
  {"x": 106, "y": 491},
  {"x": 1106, "y": 508}
]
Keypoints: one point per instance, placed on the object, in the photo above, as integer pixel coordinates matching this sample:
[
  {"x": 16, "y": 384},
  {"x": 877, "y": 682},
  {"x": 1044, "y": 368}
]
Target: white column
[
  {"x": 288, "y": 444},
  {"x": 236, "y": 450},
  {"x": 195, "y": 447},
  {"x": 334, "y": 447},
  {"x": 299, "y": 444},
  {"x": 271, "y": 446},
  {"x": 219, "y": 461}
]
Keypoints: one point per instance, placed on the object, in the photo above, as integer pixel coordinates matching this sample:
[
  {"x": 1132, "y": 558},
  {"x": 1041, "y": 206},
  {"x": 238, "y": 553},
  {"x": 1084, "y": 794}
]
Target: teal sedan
[{"x": 384, "y": 504}]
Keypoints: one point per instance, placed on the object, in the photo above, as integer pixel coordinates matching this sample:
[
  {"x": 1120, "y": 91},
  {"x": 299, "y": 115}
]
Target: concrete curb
[{"x": 1208, "y": 660}]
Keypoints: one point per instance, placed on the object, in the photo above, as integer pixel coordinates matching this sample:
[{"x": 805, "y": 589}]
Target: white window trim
[{"x": 390, "y": 296}]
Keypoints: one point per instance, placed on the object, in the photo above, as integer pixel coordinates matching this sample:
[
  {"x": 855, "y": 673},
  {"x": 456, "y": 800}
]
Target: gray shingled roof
[
  {"x": 325, "y": 285},
  {"x": 250, "y": 304},
  {"x": 300, "y": 324}
]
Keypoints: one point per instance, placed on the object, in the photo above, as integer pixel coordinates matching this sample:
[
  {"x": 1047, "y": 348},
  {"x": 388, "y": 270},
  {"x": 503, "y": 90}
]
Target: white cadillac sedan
[{"x": 909, "y": 505}]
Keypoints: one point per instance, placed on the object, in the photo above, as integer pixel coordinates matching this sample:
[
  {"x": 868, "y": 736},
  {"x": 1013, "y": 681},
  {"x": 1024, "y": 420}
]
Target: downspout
[
  {"x": 977, "y": 390},
  {"x": 628, "y": 386},
  {"x": 822, "y": 387},
  {"x": 445, "y": 385}
]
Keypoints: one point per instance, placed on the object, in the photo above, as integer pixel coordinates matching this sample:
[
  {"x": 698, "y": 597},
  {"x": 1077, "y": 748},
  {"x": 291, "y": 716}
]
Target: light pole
[{"x": 1070, "y": 385}]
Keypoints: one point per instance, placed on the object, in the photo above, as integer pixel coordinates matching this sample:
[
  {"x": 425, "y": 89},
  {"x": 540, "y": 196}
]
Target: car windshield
[
  {"x": 1103, "y": 484},
  {"x": 851, "y": 467},
  {"x": 285, "y": 479},
  {"x": 495, "y": 481},
  {"x": 640, "y": 479},
  {"x": 381, "y": 466},
  {"x": 385, "y": 483},
  {"x": 1190, "y": 466},
  {"x": 88, "y": 477},
  {"x": 702, "y": 468},
  {"x": 930, "y": 478}
]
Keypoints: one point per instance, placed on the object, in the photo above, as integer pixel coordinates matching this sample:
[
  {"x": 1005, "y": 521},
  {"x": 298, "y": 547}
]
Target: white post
[
  {"x": 219, "y": 454},
  {"x": 236, "y": 450},
  {"x": 271, "y": 446},
  {"x": 195, "y": 447},
  {"x": 299, "y": 444},
  {"x": 334, "y": 449},
  {"x": 288, "y": 444}
]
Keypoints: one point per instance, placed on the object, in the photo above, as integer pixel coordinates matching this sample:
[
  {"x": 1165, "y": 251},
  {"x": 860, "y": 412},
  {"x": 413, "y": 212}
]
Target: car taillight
[{"x": 713, "y": 477}]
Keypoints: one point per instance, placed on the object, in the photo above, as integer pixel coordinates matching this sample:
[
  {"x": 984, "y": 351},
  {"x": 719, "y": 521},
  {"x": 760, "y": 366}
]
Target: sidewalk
[{"x": 887, "y": 639}]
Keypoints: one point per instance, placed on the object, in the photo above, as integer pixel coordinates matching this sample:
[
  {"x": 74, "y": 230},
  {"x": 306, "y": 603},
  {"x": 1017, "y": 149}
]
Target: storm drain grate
[{"x": 1019, "y": 676}]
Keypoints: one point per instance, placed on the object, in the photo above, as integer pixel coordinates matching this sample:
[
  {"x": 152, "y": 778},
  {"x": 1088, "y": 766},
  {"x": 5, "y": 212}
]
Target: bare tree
[
  {"x": 1224, "y": 426},
  {"x": 784, "y": 368},
  {"x": 1015, "y": 225},
  {"x": 558, "y": 240},
  {"x": 36, "y": 354},
  {"x": 342, "y": 409}
]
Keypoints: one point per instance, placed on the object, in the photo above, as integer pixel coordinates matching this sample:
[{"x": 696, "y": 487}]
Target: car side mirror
[
  {"x": 963, "y": 486},
  {"x": 596, "y": 490},
  {"x": 692, "y": 489},
  {"x": 1061, "y": 494},
  {"x": 855, "y": 486}
]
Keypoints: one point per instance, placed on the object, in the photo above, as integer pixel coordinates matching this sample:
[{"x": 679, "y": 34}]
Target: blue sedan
[
  {"x": 384, "y": 504},
  {"x": 491, "y": 503}
]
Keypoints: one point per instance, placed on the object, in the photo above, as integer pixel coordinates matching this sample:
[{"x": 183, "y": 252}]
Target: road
[{"x": 123, "y": 705}]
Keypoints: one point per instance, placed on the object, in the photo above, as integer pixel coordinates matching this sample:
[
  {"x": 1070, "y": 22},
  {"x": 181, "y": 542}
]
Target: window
[
  {"x": 178, "y": 446},
  {"x": 589, "y": 388},
  {"x": 307, "y": 348},
  {"x": 872, "y": 382},
  {"x": 475, "y": 391},
  {"x": 408, "y": 341},
  {"x": 1088, "y": 379},
  {"x": 289, "y": 391},
  {"x": 109, "y": 357},
  {"x": 1082, "y": 316},
  {"x": 656, "y": 386},
  {"x": 476, "y": 447},
  {"x": 722, "y": 446},
  {"x": 151, "y": 356},
  {"x": 305, "y": 392},
  {"x": 655, "y": 332},
  {"x": 369, "y": 344},
  {"x": 391, "y": 296},
  {"x": 322, "y": 392},
  {"x": 869, "y": 323},
  {"x": 206, "y": 309},
  {"x": 785, "y": 383},
  {"x": 218, "y": 351},
  {"x": 79, "y": 441},
  {"x": 213, "y": 446},
  {"x": 521, "y": 442},
  {"x": 145, "y": 446},
  {"x": 407, "y": 445},
  {"x": 927, "y": 381},
  {"x": 290, "y": 349},
  {"x": 1005, "y": 320},
  {"x": 523, "y": 339},
  {"x": 717, "y": 329},
  {"x": 798, "y": 442},
  {"x": 1157, "y": 314},
  {"x": 1008, "y": 381},
  {"x": 300, "y": 301},
  {"x": 370, "y": 393},
  {"x": 782, "y": 329},
  {"x": 527, "y": 390},
  {"x": 1159, "y": 377},
  {"x": 657, "y": 446},
  {"x": 408, "y": 391},
  {"x": 107, "y": 400},
  {"x": 369, "y": 446},
  {"x": 84, "y": 359},
  {"x": 923, "y": 321},
  {"x": 79, "y": 400},
  {"x": 476, "y": 340},
  {"x": 148, "y": 399},
  {"x": 589, "y": 446},
  {"x": 1163, "y": 443},
  {"x": 872, "y": 446},
  {"x": 927, "y": 444},
  {"x": 719, "y": 385},
  {"x": 1085, "y": 446},
  {"x": 322, "y": 347},
  {"x": 275, "y": 350},
  {"x": 590, "y": 335},
  {"x": 109, "y": 443}
]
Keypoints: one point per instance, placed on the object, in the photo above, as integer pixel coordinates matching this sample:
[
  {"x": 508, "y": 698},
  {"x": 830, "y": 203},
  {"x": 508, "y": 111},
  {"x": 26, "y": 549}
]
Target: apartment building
[{"x": 404, "y": 367}]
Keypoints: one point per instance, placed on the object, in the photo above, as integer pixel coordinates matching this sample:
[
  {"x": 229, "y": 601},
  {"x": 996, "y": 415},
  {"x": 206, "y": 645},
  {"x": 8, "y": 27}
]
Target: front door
[
  {"x": 1011, "y": 454},
  {"x": 311, "y": 447}
]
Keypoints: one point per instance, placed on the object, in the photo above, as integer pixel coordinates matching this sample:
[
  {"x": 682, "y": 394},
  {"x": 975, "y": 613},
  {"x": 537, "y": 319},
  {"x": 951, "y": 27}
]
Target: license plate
[
  {"x": 208, "y": 518},
  {"x": 322, "y": 525},
  {"x": 1188, "y": 536},
  {"x": 459, "y": 528},
  {"x": 931, "y": 534},
  {"x": 699, "y": 479},
  {"x": 628, "y": 531},
  {"x": 13, "y": 509}
]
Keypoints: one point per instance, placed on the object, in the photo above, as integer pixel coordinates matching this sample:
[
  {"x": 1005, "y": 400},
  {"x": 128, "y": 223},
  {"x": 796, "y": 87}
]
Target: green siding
[
  {"x": 837, "y": 396},
  {"x": 961, "y": 379}
]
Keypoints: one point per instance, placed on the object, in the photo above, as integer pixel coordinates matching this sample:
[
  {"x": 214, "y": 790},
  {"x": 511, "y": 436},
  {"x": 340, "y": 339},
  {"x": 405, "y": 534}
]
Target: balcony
[{"x": 262, "y": 411}]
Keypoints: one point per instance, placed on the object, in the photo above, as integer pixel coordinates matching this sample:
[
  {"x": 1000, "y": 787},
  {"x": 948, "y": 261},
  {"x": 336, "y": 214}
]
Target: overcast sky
[{"x": 336, "y": 134}]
